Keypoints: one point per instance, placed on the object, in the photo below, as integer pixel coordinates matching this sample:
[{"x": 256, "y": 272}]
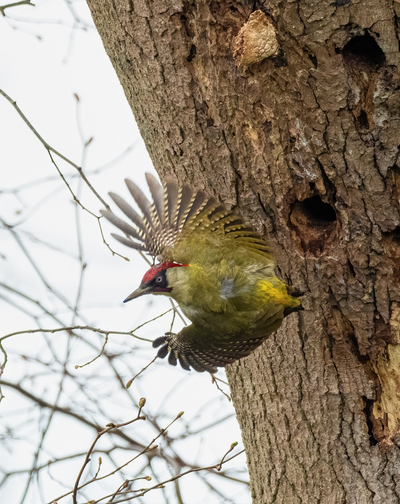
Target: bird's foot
[{"x": 294, "y": 291}]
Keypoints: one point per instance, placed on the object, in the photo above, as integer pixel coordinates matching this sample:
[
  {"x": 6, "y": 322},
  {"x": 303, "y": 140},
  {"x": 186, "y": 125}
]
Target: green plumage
[{"x": 225, "y": 284}]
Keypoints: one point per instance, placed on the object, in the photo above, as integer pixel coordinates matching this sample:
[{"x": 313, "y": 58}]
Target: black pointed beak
[{"x": 140, "y": 291}]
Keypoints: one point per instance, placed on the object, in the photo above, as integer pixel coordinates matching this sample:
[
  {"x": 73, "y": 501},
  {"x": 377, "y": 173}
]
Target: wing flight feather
[{"x": 176, "y": 212}]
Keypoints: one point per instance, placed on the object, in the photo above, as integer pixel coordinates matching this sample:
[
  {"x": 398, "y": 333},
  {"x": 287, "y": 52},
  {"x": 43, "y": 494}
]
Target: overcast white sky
[{"x": 43, "y": 63}]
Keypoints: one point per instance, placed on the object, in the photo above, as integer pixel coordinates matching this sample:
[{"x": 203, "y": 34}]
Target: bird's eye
[{"x": 159, "y": 279}]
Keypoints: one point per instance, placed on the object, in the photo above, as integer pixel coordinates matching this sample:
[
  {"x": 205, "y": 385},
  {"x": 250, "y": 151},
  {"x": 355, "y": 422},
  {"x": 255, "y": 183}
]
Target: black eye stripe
[{"x": 160, "y": 280}]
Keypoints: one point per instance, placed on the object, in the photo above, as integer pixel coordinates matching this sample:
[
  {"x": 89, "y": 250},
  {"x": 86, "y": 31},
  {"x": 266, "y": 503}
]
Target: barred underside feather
[
  {"x": 210, "y": 351},
  {"x": 176, "y": 212}
]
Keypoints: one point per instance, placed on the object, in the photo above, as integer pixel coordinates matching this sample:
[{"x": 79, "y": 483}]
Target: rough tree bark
[{"x": 305, "y": 144}]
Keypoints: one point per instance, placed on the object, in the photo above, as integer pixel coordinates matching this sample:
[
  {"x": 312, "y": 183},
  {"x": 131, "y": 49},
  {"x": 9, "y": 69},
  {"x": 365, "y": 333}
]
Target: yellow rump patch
[{"x": 276, "y": 292}]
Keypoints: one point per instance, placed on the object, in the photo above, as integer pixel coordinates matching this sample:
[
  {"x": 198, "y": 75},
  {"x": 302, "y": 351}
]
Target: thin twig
[
  {"x": 99, "y": 435},
  {"x": 129, "y": 383},
  {"x": 50, "y": 149},
  {"x": 134, "y": 445},
  {"x": 215, "y": 382},
  {"x": 143, "y": 492},
  {"x": 150, "y": 446},
  {"x": 74, "y": 328},
  {"x": 79, "y": 366},
  {"x": 15, "y": 4}
]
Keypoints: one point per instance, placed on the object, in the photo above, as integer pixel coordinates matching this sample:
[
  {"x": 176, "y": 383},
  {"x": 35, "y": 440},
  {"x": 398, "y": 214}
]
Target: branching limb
[
  {"x": 50, "y": 150},
  {"x": 99, "y": 435},
  {"x": 15, "y": 4}
]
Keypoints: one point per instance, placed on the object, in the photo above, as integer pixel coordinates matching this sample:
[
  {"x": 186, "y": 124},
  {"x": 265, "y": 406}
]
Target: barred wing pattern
[
  {"x": 175, "y": 212},
  {"x": 207, "y": 351}
]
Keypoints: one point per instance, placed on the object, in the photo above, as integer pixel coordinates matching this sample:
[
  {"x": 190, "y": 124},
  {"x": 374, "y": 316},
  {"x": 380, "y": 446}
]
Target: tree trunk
[{"x": 303, "y": 137}]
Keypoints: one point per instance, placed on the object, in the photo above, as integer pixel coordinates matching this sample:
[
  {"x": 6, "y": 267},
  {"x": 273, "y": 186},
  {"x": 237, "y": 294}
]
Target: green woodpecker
[{"x": 218, "y": 269}]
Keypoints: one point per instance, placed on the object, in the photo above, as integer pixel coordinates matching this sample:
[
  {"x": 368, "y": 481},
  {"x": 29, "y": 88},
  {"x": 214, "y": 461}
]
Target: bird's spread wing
[
  {"x": 175, "y": 213},
  {"x": 204, "y": 351}
]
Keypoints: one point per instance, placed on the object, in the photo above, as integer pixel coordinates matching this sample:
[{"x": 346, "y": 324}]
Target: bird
[{"x": 218, "y": 269}]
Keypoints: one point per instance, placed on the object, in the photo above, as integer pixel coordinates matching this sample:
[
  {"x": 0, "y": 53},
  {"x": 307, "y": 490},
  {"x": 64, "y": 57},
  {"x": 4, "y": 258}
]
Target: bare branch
[
  {"x": 129, "y": 383},
  {"x": 50, "y": 150},
  {"x": 66, "y": 411},
  {"x": 87, "y": 458},
  {"x": 15, "y": 4}
]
